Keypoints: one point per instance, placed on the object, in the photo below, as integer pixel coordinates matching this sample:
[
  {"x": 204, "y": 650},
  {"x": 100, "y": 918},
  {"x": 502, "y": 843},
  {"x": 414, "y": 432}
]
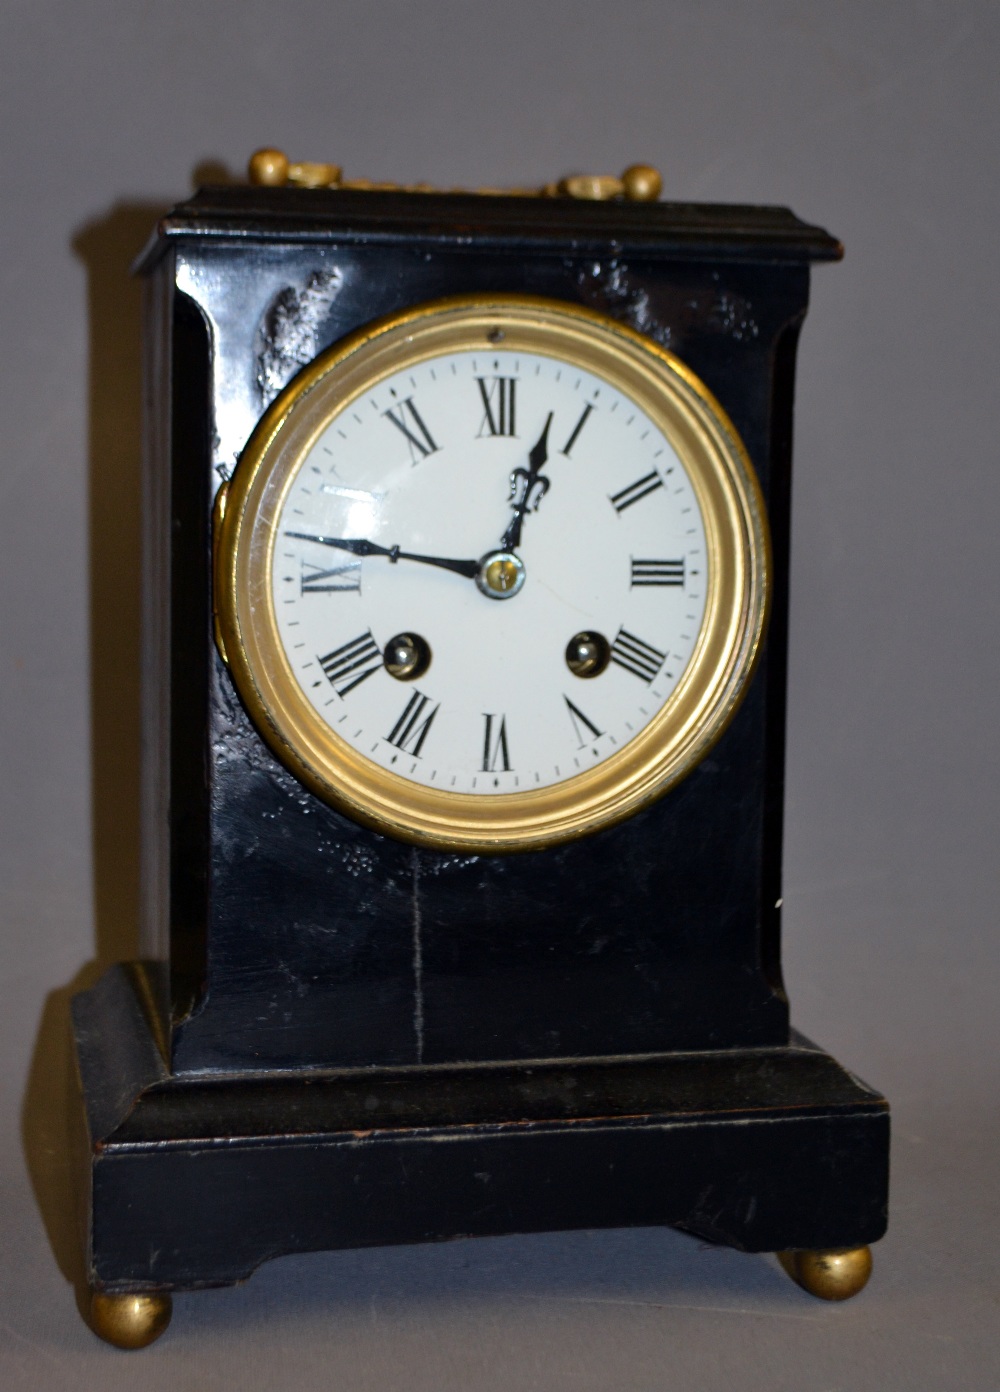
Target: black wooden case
[{"x": 598, "y": 1032}]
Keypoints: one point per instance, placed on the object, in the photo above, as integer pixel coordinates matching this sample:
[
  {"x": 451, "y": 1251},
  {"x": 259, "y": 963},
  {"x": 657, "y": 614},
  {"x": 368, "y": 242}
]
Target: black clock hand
[
  {"x": 470, "y": 569},
  {"x": 527, "y": 485}
]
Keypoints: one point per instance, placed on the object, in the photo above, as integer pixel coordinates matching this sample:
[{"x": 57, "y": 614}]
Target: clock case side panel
[
  {"x": 176, "y": 610},
  {"x": 154, "y": 926},
  {"x": 780, "y": 500},
  {"x": 324, "y": 943}
]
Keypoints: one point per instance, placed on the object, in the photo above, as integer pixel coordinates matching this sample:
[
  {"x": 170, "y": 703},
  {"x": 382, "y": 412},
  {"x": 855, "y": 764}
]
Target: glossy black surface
[
  {"x": 368, "y": 1043},
  {"x": 703, "y": 231},
  {"x": 325, "y": 943},
  {"x": 196, "y": 1182}
]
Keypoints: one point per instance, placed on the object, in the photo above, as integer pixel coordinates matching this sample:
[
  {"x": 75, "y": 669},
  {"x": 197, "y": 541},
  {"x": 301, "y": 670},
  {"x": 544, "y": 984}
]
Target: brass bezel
[{"x": 717, "y": 674}]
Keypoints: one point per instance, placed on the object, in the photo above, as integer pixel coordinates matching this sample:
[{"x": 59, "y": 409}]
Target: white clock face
[{"x": 489, "y": 571}]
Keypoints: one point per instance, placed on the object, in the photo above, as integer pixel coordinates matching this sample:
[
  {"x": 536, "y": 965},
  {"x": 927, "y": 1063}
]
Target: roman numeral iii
[
  {"x": 637, "y": 657},
  {"x": 642, "y": 488},
  {"x": 499, "y": 404},
  {"x": 657, "y": 572},
  {"x": 410, "y": 730},
  {"x": 406, "y": 418},
  {"x": 348, "y": 666},
  {"x": 495, "y": 744}
]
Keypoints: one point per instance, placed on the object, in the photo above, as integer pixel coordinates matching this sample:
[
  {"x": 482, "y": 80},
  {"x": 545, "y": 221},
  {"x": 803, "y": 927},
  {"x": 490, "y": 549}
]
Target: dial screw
[
  {"x": 407, "y": 656},
  {"x": 587, "y": 654}
]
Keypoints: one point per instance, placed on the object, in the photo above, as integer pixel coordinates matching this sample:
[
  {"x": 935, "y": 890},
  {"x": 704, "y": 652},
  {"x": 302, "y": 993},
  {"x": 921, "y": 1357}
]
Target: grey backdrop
[{"x": 878, "y": 121}]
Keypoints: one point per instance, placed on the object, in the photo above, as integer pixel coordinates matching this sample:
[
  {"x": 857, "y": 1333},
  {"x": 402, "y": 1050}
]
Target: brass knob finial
[
  {"x": 268, "y": 167},
  {"x": 640, "y": 183},
  {"x": 273, "y": 169}
]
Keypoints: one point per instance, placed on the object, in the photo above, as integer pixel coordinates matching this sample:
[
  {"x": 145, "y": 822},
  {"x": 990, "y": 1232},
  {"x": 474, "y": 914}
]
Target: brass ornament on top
[
  {"x": 633, "y": 710},
  {"x": 639, "y": 183}
]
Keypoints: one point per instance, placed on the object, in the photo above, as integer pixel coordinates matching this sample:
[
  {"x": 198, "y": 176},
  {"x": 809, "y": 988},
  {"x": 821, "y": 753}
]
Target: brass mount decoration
[{"x": 639, "y": 183}]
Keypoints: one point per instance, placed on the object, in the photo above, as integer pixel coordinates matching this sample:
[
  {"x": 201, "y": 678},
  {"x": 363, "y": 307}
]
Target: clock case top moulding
[{"x": 600, "y": 1030}]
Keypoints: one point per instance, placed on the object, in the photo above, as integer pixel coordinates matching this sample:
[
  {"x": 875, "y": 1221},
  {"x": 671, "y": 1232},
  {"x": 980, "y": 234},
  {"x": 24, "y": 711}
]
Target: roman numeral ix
[
  {"x": 316, "y": 580},
  {"x": 406, "y": 418},
  {"x": 657, "y": 572},
  {"x": 637, "y": 657},
  {"x": 410, "y": 730},
  {"x": 495, "y": 744},
  {"x": 642, "y": 488},
  {"x": 348, "y": 666},
  {"x": 498, "y": 406}
]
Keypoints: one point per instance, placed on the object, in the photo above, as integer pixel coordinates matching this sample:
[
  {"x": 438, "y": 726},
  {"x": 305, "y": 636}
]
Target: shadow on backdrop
[{"x": 107, "y": 248}]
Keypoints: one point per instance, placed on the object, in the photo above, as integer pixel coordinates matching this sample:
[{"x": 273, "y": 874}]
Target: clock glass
[{"x": 492, "y": 574}]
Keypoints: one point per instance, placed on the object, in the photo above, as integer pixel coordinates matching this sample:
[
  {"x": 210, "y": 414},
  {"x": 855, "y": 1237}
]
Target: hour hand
[
  {"x": 361, "y": 547},
  {"x": 527, "y": 488}
]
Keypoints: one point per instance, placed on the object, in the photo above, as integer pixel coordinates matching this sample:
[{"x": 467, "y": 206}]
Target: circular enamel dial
[
  {"x": 492, "y": 575},
  {"x": 443, "y": 459}
]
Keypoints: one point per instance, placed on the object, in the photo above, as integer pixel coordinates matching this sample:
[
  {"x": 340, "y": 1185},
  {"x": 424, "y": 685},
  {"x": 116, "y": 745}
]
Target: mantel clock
[{"x": 465, "y": 630}]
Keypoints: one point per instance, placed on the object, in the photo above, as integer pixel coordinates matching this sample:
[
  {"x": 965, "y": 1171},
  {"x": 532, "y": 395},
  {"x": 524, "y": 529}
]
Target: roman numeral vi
[{"x": 495, "y": 744}]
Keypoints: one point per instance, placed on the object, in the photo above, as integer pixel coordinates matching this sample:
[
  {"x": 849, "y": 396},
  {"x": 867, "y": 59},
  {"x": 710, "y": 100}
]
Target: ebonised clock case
[{"x": 600, "y": 1028}]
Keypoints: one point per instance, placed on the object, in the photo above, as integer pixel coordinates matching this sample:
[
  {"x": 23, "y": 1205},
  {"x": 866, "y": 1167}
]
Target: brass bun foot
[
  {"x": 130, "y": 1321},
  {"x": 832, "y": 1275}
]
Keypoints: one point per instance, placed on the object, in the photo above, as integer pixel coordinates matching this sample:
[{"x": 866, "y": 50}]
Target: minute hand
[{"x": 470, "y": 569}]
